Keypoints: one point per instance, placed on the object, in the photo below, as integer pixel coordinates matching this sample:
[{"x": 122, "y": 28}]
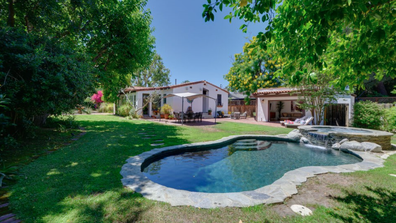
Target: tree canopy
[
  {"x": 348, "y": 40},
  {"x": 115, "y": 35},
  {"x": 252, "y": 69},
  {"x": 155, "y": 75}
]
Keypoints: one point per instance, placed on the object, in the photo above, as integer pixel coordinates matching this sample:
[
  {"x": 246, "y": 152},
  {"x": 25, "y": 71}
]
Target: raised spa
[
  {"x": 328, "y": 135},
  {"x": 242, "y": 165}
]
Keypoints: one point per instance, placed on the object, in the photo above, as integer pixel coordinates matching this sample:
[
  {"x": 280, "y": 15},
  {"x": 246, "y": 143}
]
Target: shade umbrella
[{"x": 190, "y": 97}]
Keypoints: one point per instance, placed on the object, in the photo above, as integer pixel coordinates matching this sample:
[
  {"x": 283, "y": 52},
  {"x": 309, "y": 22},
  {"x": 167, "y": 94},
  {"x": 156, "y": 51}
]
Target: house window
[
  {"x": 164, "y": 99},
  {"x": 219, "y": 103}
]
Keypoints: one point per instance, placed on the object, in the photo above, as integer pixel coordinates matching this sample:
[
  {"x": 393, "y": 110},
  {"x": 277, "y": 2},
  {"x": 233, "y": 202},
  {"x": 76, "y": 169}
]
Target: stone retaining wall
[{"x": 379, "y": 137}]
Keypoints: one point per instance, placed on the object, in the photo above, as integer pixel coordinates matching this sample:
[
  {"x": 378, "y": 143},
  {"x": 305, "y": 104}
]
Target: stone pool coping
[
  {"x": 370, "y": 132},
  {"x": 277, "y": 192}
]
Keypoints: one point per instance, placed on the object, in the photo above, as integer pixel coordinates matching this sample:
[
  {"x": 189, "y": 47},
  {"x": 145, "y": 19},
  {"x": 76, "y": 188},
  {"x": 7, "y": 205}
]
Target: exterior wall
[
  {"x": 176, "y": 102},
  {"x": 197, "y": 104},
  {"x": 262, "y": 106}
]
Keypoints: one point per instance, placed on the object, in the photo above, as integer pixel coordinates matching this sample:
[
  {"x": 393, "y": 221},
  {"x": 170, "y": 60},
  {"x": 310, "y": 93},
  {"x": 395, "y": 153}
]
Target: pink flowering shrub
[{"x": 97, "y": 98}]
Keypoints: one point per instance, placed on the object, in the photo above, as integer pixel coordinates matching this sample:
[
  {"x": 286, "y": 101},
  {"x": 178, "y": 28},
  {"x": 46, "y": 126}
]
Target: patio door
[{"x": 146, "y": 98}]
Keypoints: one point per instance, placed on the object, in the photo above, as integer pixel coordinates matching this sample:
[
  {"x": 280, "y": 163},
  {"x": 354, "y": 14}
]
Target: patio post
[
  {"x": 182, "y": 112},
  {"x": 215, "y": 109}
]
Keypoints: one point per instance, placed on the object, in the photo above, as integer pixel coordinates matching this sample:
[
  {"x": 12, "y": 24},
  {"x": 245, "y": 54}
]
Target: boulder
[
  {"x": 294, "y": 135},
  {"x": 344, "y": 140},
  {"x": 336, "y": 146},
  {"x": 371, "y": 147},
  {"x": 352, "y": 145},
  {"x": 304, "y": 140}
]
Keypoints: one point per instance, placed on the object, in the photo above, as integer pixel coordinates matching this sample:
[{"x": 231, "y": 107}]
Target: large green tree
[
  {"x": 155, "y": 75},
  {"x": 40, "y": 77},
  {"x": 115, "y": 35},
  {"x": 352, "y": 39},
  {"x": 252, "y": 69}
]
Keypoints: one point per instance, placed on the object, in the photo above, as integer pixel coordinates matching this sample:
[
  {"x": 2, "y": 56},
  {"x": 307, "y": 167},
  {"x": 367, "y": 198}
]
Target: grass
[
  {"x": 81, "y": 182},
  {"x": 393, "y": 139}
]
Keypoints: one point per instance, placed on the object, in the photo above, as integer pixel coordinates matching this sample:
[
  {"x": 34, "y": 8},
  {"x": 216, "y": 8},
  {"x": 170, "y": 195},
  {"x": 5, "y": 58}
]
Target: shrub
[
  {"x": 68, "y": 121},
  {"x": 166, "y": 109},
  {"x": 390, "y": 120},
  {"x": 106, "y": 107},
  {"x": 368, "y": 114},
  {"x": 88, "y": 103},
  {"x": 124, "y": 110}
]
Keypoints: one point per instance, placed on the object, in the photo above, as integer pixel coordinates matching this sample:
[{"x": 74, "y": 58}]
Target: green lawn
[{"x": 82, "y": 182}]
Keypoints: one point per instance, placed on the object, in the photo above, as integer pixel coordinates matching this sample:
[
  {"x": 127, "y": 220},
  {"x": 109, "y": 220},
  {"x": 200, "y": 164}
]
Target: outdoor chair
[
  {"x": 220, "y": 114},
  {"x": 177, "y": 116},
  {"x": 198, "y": 116},
  {"x": 295, "y": 125},
  {"x": 244, "y": 115}
]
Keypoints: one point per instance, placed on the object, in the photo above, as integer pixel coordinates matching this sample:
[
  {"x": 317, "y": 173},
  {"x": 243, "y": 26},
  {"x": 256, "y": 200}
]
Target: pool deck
[{"x": 277, "y": 192}]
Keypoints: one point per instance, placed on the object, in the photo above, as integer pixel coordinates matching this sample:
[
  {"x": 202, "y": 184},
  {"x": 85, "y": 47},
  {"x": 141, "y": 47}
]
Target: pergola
[{"x": 191, "y": 96}]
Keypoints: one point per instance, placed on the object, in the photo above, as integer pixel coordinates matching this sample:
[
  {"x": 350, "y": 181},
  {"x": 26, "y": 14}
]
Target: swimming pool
[{"x": 241, "y": 165}]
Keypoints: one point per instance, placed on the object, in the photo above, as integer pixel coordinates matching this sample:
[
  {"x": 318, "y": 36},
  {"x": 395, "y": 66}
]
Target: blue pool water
[{"x": 242, "y": 166}]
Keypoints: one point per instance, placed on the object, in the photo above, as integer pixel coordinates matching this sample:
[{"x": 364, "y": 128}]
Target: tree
[
  {"x": 252, "y": 69},
  {"x": 154, "y": 75},
  {"x": 114, "y": 35},
  {"x": 356, "y": 38},
  {"x": 40, "y": 77},
  {"x": 314, "y": 93}
]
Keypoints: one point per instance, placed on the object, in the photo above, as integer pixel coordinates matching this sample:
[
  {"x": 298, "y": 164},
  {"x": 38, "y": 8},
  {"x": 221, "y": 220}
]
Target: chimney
[{"x": 175, "y": 81}]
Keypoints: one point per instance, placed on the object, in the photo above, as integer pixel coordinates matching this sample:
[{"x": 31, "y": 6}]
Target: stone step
[
  {"x": 11, "y": 220},
  {"x": 4, "y": 205},
  {"x": 7, "y": 216},
  {"x": 245, "y": 143}
]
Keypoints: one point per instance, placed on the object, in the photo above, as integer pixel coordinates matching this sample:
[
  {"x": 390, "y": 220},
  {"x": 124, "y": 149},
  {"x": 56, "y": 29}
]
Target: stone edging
[{"x": 277, "y": 192}]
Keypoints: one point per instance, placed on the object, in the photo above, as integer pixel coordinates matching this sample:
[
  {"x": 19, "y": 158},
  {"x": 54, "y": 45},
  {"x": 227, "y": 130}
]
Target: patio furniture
[
  {"x": 177, "y": 116},
  {"x": 198, "y": 116},
  {"x": 296, "y": 124},
  {"x": 237, "y": 115},
  {"x": 243, "y": 115},
  {"x": 220, "y": 114}
]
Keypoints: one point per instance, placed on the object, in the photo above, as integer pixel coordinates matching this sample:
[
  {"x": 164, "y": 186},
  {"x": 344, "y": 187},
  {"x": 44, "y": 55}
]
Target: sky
[{"x": 193, "y": 49}]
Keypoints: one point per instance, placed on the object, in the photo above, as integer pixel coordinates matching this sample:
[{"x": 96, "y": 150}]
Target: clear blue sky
[{"x": 194, "y": 49}]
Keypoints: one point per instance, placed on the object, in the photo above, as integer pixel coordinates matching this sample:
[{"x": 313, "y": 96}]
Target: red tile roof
[
  {"x": 134, "y": 89},
  {"x": 273, "y": 91}
]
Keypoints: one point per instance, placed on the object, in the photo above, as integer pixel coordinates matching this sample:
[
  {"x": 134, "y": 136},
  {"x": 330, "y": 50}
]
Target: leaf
[
  {"x": 349, "y": 2},
  {"x": 243, "y": 3}
]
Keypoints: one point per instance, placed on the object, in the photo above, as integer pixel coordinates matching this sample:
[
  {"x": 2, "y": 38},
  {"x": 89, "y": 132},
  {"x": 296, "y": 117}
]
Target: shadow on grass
[
  {"x": 82, "y": 182},
  {"x": 373, "y": 205}
]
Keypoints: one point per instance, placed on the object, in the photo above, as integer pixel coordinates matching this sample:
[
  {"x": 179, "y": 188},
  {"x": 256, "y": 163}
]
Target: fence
[
  {"x": 242, "y": 108},
  {"x": 379, "y": 100},
  {"x": 386, "y": 105}
]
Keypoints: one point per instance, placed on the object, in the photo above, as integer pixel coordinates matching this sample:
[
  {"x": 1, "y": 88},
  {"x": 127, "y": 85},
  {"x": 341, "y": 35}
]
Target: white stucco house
[
  {"x": 268, "y": 98},
  {"x": 218, "y": 97}
]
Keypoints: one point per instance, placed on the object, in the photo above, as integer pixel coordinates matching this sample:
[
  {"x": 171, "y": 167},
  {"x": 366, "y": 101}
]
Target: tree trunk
[
  {"x": 381, "y": 88},
  {"x": 11, "y": 14}
]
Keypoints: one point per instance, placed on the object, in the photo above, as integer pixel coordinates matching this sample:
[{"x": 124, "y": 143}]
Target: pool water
[
  {"x": 242, "y": 166},
  {"x": 342, "y": 130}
]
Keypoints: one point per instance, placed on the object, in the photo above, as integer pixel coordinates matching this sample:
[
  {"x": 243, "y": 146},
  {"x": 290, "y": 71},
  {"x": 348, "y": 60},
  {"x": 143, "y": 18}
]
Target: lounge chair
[
  {"x": 295, "y": 125},
  {"x": 243, "y": 115}
]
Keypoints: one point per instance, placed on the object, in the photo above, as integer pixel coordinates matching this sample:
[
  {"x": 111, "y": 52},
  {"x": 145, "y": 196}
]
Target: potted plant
[
  {"x": 166, "y": 110},
  {"x": 210, "y": 111}
]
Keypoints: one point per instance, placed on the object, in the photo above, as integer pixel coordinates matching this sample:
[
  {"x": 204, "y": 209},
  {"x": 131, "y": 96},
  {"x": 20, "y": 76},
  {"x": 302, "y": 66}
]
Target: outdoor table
[{"x": 237, "y": 115}]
